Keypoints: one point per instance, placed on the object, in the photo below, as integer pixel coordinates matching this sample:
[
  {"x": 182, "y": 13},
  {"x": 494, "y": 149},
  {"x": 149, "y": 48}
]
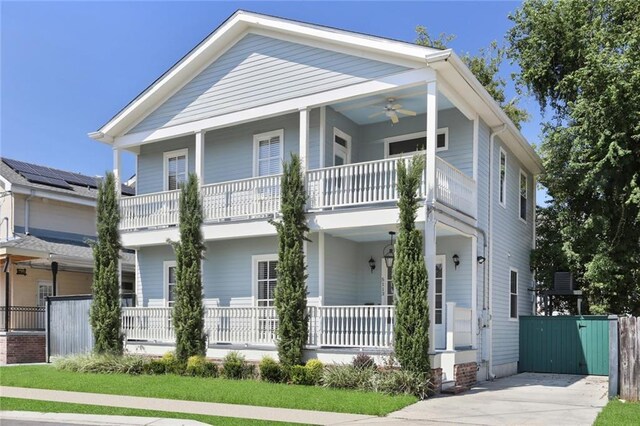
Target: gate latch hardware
[{"x": 582, "y": 326}]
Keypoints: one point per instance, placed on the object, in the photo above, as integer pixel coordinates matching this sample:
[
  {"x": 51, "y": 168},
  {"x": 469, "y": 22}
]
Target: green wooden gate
[{"x": 564, "y": 344}]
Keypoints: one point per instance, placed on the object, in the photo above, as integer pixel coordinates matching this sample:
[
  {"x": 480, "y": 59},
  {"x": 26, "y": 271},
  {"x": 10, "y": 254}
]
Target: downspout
[
  {"x": 492, "y": 137},
  {"x": 27, "y": 211}
]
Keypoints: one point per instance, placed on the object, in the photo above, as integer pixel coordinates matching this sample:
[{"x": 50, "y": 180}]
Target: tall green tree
[
  {"x": 581, "y": 60},
  {"x": 291, "y": 289},
  {"x": 105, "y": 313},
  {"x": 411, "y": 332},
  {"x": 486, "y": 67},
  {"x": 188, "y": 309}
]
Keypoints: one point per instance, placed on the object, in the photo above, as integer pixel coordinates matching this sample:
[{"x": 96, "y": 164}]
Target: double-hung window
[
  {"x": 175, "y": 169},
  {"x": 170, "y": 282},
  {"x": 266, "y": 278},
  {"x": 513, "y": 293},
  {"x": 503, "y": 177},
  {"x": 268, "y": 153},
  {"x": 45, "y": 289},
  {"x": 523, "y": 195}
]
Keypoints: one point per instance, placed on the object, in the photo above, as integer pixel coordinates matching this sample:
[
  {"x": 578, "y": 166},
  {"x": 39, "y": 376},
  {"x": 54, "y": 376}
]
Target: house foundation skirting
[
  {"x": 465, "y": 374},
  {"x": 22, "y": 347}
]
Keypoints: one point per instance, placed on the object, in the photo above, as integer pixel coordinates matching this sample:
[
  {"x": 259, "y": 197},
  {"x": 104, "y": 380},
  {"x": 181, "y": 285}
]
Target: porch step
[
  {"x": 454, "y": 390},
  {"x": 447, "y": 384}
]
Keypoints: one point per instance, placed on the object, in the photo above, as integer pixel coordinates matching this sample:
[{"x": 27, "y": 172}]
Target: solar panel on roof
[{"x": 45, "y": 180}]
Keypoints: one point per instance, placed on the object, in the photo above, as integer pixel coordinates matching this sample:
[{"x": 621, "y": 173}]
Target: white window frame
[
  {"x": 254, "y": 273},
  {"x": 256, "y": 144},
  {"x": 442, "y": 259},
  {"x": 165, "y": 280},
  {"x": 526, "y": 195},
  {"x": 346, "y": 137},
  {"x": 171, "y": 154},
  {"x": 511, "y": 317},
  {"x": 387, "y": 141},
  {"x": 502, "y": 184},
  {"x": 43, "y": 283}
]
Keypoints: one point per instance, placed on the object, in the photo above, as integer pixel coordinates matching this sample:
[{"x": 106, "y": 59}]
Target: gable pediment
[{"x": 259, "y": 70}]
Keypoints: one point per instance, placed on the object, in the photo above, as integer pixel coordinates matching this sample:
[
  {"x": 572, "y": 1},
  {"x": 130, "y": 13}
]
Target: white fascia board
[
  {"x": 38, "y": 192},
  {"x": 17, "y": 251},
  {"x": 7, "y": 185},
  {"x": 403, "y": 79}
]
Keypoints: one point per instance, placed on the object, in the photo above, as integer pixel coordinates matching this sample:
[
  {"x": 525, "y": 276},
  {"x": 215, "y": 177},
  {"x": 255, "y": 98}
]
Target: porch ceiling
[
  {"x": 411, "y": 98},
  {"x": 381, "y": 233}
]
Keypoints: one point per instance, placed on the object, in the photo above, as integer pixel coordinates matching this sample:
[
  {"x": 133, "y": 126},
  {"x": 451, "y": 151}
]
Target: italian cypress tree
[
  {"x": 291, "y": 290},
  {"x": 188, "y": 310},
  {"x": 105, "y": 313},
  {"x": 411, "y": 333}
]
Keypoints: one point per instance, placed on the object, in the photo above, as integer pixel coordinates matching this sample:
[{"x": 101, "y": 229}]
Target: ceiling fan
[{"x": 392, "y": 110}]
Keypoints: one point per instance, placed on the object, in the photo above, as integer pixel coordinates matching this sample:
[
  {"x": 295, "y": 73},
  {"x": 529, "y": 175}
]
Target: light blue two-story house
[{"x": 352, "y": 106}]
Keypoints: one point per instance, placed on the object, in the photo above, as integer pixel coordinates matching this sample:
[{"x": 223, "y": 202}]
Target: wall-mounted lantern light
[
  {"x": 372, "y": 264},
  {"x": 456, "y": 261},
  {"x": 387, "y": 252}
]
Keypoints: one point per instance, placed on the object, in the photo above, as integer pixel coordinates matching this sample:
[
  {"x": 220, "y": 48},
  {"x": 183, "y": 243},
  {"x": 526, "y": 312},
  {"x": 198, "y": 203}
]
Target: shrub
[
  {"x": 395, "y": 382},
  {"x": 91, "y": 363},
  {"x": 155, "y": 366},
  {"x": 197, "y": 365},
  {"x": 347, "y": 377},
  {"x": 172, "y": 364},
  {"x": 271, "y": 371},
  {"x": 234, "y": 366},
  {"x": 363, "y": 361},
  {"x": 299, "y": 375},
  {"x": 314, "y": 370}
]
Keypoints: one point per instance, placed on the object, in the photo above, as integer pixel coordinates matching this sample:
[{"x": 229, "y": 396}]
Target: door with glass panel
[
  {"x": 440, "y": 307},
  {"x": 267, "y": 280}
]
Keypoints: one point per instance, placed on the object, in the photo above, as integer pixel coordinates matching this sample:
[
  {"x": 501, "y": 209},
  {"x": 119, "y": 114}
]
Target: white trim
[
  {"x": 407, "y": 136},
  {"x": 474, "y": 292},
  {"x": 403, "y": 79},
  {"x": 46, "y": 283},
  {"x": 322, "y": 136},
  {"x": 321, "y": 266},
  {"x": 254, "y": 273},
  {"x": 263, "y": 136},
  {"x": 165, "y": 280},
  {"x": 517, "y": 293},
  {"x": 526, "y": 198},
  {"x": 165, "y": 158},
  {"x": 502, "y": 184},
  {"x": 476, "y": 139},
  {"x": 200, "y": 142},
  {"x": 303, "y": 143},
  {"x": 346, "y": 150}
]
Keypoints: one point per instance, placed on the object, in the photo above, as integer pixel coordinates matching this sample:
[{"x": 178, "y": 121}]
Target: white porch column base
[{"x": 451, "y": 325}]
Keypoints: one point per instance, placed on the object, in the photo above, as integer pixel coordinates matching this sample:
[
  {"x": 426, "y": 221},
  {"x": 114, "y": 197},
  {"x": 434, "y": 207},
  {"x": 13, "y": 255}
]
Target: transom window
[
  {"x": 170, "y": 282},
  {"x": 513, "y": 293},
  {"x": 413, "y": 143},
  {"x": 267, "y": 278},
  {"x": 45, "y": 289},
  {"x": 503, "y": 177},
  {"x": 268, "y": 153},
  {"x": 341, "y": 147},
  {"x": 175, "y": 169},
  {"x": 523, "y": 195}
]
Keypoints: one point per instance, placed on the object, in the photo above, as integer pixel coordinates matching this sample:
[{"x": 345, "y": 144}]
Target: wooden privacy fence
[{"x": 629, "y": 358}]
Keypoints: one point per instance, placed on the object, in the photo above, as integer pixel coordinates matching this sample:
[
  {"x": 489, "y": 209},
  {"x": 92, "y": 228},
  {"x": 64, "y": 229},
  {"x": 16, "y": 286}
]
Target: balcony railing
[
  {"x": 351, "y": 185},
  {"x": 23, "y": 318},
  {"x": 333, "y": 326}
]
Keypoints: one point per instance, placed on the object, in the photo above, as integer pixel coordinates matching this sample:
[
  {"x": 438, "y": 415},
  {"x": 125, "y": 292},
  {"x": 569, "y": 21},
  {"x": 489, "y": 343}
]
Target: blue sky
[{"x": 67, "y": 67}]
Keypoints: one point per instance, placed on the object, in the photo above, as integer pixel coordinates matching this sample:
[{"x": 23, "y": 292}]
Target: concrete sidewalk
[
  {"x": 178, "y": 406},
  {"x": 25, "y": 418}
]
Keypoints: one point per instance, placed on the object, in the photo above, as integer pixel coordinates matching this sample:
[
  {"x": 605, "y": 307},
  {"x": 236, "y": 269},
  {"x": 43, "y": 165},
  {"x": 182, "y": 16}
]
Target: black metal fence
[{"x": 23, "y": 318}]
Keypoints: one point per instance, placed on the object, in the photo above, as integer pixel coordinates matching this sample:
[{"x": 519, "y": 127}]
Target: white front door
[
  {"x": 440, "y": 306},
  {"x": 387, "y": 284}
]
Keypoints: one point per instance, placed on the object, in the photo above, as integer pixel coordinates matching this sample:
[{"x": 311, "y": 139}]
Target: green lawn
[
  {"x": 247, "y": 392},
  {"x": 18, "y": 404},
  {"x": 618, "y": 413}
]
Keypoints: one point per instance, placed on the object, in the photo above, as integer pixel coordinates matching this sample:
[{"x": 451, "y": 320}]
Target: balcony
[{"x": 352, "y": 185}]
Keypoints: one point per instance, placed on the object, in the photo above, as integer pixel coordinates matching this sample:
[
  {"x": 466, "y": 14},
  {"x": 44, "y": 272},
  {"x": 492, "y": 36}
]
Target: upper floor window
[
  {"x": 503, "y": 177},
  {"x": 513, "y": 293},
  {"x": 524, "y": 187},
  {"x": 175, "y": 169},
  {"x": 341, "y": 147},
  {"x": 268, "y": 153},
  {"x": 413, "y": 143}
]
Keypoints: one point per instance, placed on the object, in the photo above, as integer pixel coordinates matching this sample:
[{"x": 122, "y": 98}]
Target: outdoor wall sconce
[
  {"x": 481, "y": 259},
  {"x": 387, "y": 252},
  {"x": 456, "y": 261},
  {"x": 372, "y": 264}
]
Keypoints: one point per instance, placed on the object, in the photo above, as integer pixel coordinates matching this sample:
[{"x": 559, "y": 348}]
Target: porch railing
[
  {"x": 454, "y": 188},
  {"x": 149, "y": 210},
  {"x": 333, "y": 326},
  {"x": 23, "y": 318},
  {"x": 459, "y": 327},
  {"x": 245, "y": 198}
]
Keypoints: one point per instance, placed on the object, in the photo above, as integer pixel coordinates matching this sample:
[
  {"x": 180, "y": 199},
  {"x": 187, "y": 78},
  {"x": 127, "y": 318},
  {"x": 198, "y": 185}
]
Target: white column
[
  {"x": 117, "y": 165},
  {"x": 322, "y": 135},
  {"x": 474, "y": 292},
  {"x": 304, "y": 138},
  {"x": 200, "y": 156},
  {"x": 430, "y": 220},
  {"x": 321, "y": 266},
  {"x": 451, "y": 325}
]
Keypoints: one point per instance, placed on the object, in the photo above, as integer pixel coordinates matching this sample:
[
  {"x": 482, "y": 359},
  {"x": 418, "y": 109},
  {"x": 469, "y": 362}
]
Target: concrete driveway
[{"x": 523, "y": 399}]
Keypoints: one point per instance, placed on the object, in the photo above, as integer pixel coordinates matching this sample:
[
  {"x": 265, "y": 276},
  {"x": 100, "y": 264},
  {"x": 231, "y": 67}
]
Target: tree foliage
[
  {"x": 411, "y": 332},
  {"x": 188, "y": 309},
  {"x": 581, "y": 60},
  {"x": 291, "y": 290},
  {"x": 486, "y": 67},
  {"x": 105, "y": 307}
]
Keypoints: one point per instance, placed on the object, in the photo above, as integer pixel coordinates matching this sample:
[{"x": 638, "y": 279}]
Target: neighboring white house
[{"x": 352, "y": 106}]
